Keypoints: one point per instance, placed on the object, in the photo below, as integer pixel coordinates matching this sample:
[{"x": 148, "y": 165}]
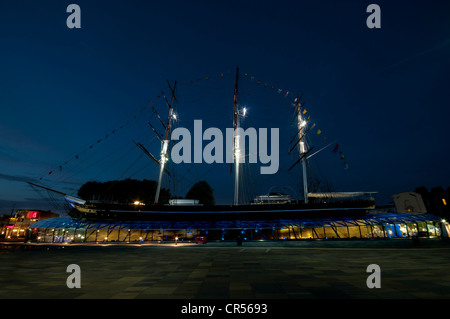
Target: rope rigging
[{"x": 195, "y": 95}]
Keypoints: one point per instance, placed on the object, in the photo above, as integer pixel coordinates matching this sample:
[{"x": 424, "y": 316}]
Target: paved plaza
[{"x": 256, "y": 270}]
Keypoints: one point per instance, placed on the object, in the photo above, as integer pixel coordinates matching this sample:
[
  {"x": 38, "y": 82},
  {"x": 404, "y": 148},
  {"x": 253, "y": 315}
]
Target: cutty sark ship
[{"x": 272, "y": 206}]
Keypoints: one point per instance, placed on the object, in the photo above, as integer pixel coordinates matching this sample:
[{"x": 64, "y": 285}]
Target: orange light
[{"x": 445, "y": 203}]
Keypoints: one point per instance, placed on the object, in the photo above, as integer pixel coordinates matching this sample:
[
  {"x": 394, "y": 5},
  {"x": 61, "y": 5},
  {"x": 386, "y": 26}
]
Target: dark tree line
[
  {"x": 203, "y": 192},
  {"x": 124, "y": 192},
  {"x": 436, "y": 200},
  {"x": 130, "y": 190}
]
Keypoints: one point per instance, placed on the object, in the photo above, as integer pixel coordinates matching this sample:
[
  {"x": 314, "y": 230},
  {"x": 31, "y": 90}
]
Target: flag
[
  {"x": 304, "y": 111},
  {"x": 336, "y": 148}
]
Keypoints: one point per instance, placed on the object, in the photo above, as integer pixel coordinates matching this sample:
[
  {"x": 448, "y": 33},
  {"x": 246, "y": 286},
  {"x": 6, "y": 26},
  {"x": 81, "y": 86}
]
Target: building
[
  {"x": 389, "y": 225},
  {"x": 409, "y": 202},
  {"x": 16, "y": 227}
]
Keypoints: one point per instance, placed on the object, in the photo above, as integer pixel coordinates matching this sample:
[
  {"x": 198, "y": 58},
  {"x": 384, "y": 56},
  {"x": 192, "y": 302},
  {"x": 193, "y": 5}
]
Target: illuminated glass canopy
[{"x": 375, "y": 225}]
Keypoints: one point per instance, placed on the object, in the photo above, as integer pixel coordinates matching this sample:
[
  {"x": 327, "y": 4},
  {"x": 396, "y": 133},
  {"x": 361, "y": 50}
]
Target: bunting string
[
  {"x": 287, "y": 94},
  {"x": 152, "y": 106},
  {"x": 112, "y": 132}
]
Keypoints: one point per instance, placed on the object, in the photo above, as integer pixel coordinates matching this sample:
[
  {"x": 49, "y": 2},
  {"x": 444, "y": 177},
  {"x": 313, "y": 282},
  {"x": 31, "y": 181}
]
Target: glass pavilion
[{"x": 389, "y": 225}]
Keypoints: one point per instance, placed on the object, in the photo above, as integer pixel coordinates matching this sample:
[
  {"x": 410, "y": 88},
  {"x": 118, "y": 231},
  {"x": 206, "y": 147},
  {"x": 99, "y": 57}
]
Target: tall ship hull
[{"x": 266, "y": 211}]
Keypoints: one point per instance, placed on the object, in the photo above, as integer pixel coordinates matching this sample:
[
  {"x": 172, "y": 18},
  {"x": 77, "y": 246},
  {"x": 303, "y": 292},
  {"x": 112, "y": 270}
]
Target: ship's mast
[
  {"x": 236, "y": 149},
  {"x": 302, "y": 148},
  {"x": 165, "y": 143}
]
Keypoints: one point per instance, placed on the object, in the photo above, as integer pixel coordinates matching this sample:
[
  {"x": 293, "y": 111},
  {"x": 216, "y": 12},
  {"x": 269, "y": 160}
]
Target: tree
[
  {"x": 436, "y": 200},
  {"x": 123, "y": 192},
  {"x": 203, "y": 192},
  {"x": 423, "y": 191}
]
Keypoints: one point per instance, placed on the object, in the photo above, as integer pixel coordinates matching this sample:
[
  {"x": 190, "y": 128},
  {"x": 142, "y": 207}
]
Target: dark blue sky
[{"x": 382, "y": 94}]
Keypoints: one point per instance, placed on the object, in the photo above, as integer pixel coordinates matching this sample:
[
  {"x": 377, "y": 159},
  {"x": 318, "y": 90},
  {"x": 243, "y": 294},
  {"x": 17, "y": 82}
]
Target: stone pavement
[{"x": 255, "y": 270}]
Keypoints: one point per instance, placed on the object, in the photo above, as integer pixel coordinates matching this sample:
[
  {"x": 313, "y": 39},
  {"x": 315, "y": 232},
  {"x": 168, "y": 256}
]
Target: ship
[{"x": 270, "y": 206}]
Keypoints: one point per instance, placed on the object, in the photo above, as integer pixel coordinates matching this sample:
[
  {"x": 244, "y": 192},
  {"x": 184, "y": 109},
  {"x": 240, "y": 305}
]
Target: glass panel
[
  {"x": 412, "y": 229},
  {"x": 330, "y": 233},
  {"x": 122, "y": 235},
  {"x": 306, "y": 233},
  {"x": 378, "y": 231},
  {"x": 319, "y": 232},
  {"x": 283, "y": 233},
  {"x": 365, "y": 232},
  {"x": 342, "y": 231},
  {"x": 433, "y": 231},
  {"x": 69, "y": 236},
  {"x": 79, "y": 235},
  {"x": 135, "y": 236},
  {"x": 390, "y": 230},
  {"x": 354, "y": 232},
  {"x": 90, "y": 235},
  {"x": 102, "y": 235}
]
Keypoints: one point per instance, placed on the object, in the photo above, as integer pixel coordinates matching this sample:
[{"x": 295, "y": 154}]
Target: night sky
[{"x": 73, "y": 100}]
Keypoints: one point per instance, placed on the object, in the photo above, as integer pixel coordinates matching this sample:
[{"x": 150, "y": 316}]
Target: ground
[{"x": 256, "y": 270}]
